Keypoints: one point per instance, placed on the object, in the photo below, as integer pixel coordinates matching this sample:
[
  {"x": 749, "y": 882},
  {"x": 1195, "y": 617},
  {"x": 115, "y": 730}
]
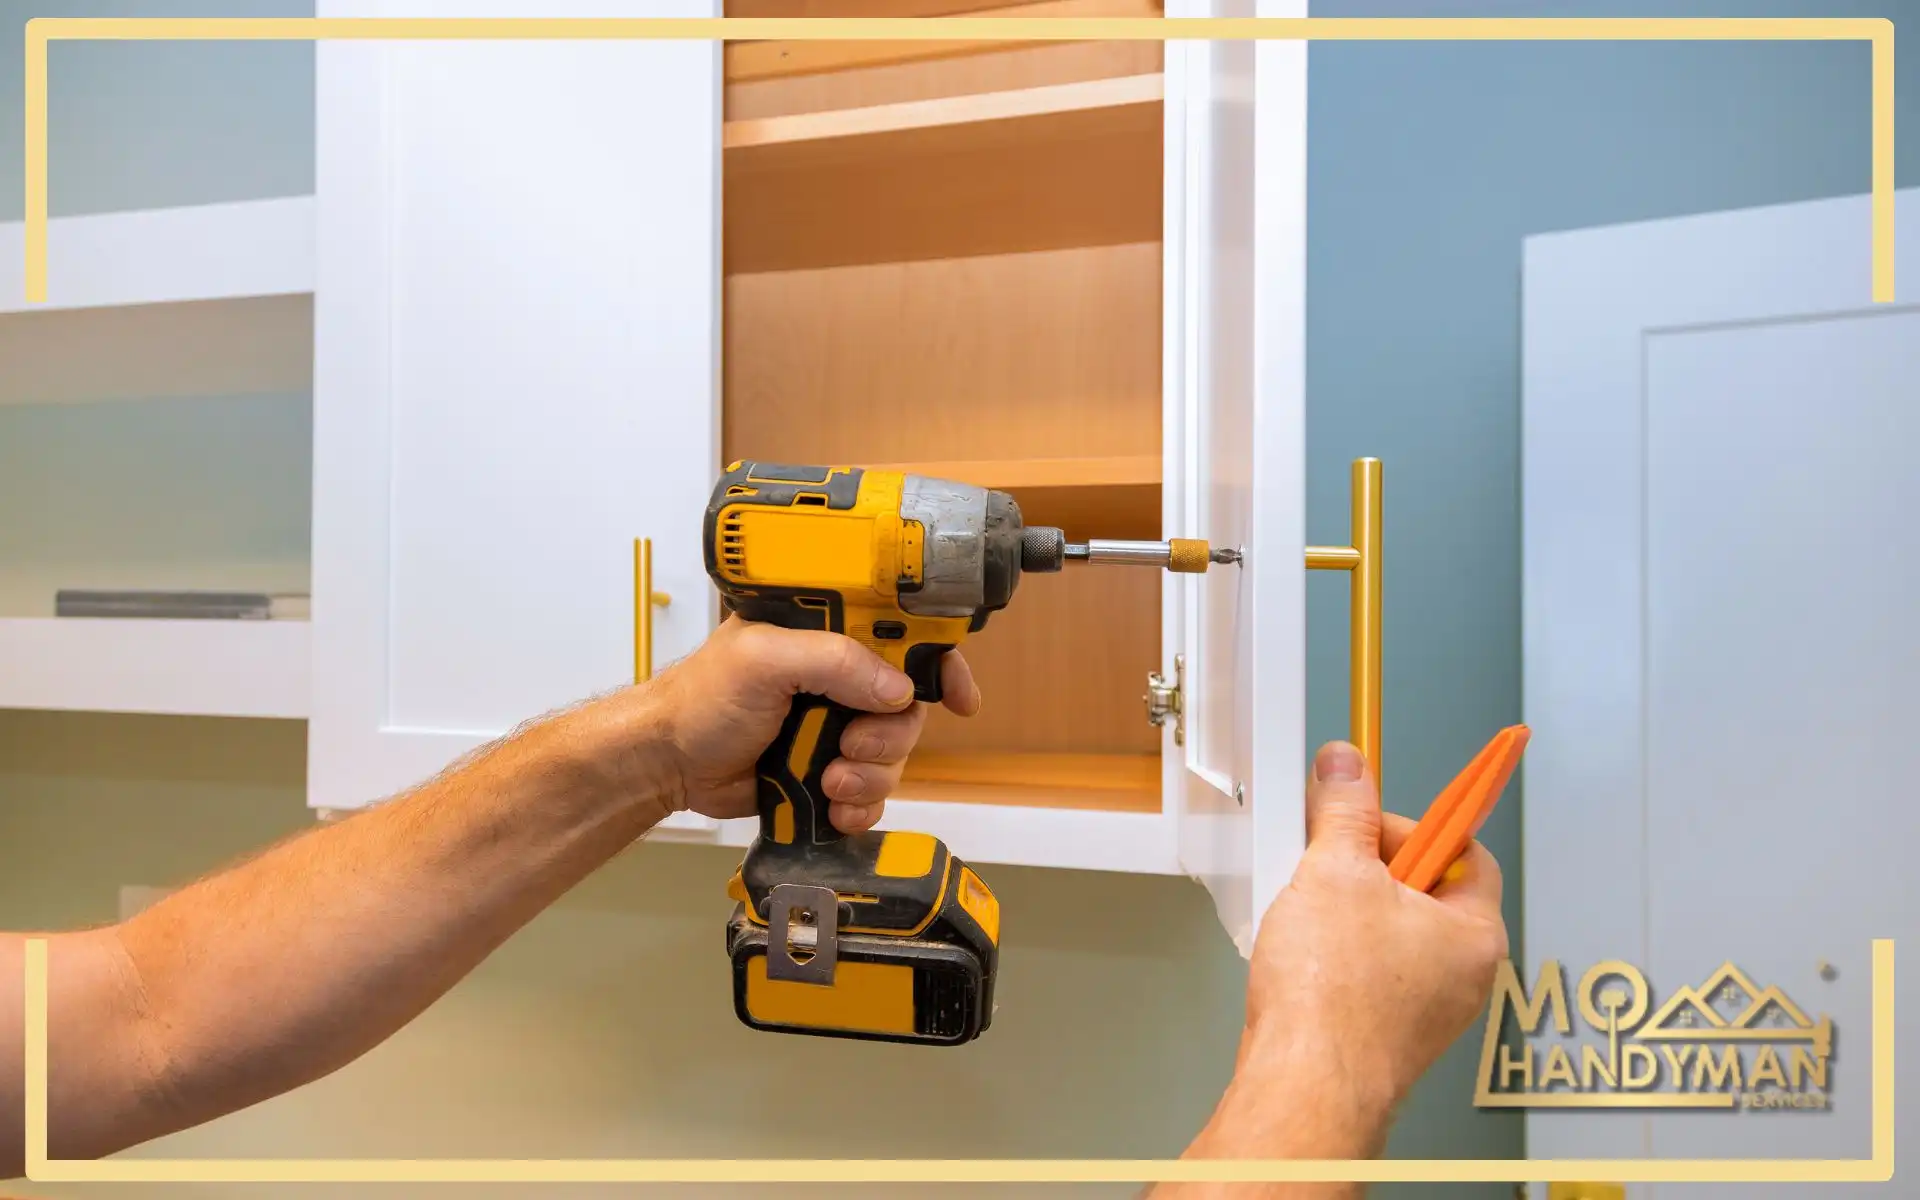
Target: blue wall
[
  {"x": 1427, "y": 165},
  {"x": 134, "y": 125}
]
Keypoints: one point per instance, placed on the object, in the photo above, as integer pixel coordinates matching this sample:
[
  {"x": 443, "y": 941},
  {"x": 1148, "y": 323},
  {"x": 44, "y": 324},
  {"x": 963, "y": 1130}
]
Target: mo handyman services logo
[{"x": 1727, "y": 1043}]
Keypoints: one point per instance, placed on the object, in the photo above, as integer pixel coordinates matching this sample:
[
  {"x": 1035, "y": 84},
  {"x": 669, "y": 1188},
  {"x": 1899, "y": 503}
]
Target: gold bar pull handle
[
  {"x": 1362, "y": 559},
  {"x": 645, "y": 599}
]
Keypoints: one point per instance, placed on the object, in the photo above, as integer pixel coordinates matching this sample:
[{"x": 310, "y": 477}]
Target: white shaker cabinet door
[
  {"x": 1236, "y": 377},
  {"x": 516, "y": 377}
]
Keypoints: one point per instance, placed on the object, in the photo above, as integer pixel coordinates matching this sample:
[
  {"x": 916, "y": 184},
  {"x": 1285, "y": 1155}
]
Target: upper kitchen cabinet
[
  {"x": 1037, "y": 267},
  {"x": 562, "y": 284}
]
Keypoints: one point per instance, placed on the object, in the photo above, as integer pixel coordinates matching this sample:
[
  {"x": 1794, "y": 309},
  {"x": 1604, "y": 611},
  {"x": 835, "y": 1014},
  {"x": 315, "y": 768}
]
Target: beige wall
[{"x": 606, "y": 1029}]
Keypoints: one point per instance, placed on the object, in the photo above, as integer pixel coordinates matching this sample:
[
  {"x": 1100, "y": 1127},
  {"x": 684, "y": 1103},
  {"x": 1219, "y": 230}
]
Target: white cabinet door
[
  {"x": 1236, "y": 206},
  {"x": 1721, "y": 577},
  {"x": 515, "y": 377}
]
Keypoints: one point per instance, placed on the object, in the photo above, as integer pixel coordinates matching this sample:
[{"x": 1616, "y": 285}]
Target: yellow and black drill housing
[{"x": 879, "y": 935}]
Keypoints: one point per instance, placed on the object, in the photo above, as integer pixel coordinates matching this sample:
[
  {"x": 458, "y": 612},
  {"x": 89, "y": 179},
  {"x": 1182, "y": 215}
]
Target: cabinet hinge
[{"x": 1163, "y": 700}]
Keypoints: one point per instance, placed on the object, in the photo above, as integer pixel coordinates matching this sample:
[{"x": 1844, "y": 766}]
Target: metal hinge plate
[{"x": 1163, "y": 700}]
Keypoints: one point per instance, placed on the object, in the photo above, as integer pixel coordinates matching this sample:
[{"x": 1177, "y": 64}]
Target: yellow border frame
[
  {"x": 43, "y": 30},
  {"x": 40, "y": 31},
  {"x": 41, "y": 1169}
]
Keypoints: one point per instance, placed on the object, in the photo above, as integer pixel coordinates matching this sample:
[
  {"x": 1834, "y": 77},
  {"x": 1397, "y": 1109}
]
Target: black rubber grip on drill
[
  {"x": 814, "y": 724},
  {"x": 923, "y": 668}
]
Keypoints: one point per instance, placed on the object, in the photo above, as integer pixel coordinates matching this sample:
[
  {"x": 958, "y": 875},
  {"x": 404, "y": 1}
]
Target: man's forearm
[
  {"x": 280, "y": 971},
  {"x": 1290, "y": 1101}
]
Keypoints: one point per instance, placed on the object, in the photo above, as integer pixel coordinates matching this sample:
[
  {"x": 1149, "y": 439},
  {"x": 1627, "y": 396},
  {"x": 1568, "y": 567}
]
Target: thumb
[
  {"x": 1343, "y": 803},
  {"x": 831, "y": 665}
]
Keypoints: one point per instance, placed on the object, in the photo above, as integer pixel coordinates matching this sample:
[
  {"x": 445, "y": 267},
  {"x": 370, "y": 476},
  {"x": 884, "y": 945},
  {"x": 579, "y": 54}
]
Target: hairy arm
[
  {"x": 281, "y": 970},
  {"x": 285, "y": 968},
  {"x": 1290, "y": 1100},
  {"x": 1356, "y": 987}
]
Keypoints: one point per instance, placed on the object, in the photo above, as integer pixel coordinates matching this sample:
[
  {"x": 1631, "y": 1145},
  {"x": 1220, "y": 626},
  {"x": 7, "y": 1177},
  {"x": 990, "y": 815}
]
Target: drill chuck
[{"x": 1043, "y": 549}]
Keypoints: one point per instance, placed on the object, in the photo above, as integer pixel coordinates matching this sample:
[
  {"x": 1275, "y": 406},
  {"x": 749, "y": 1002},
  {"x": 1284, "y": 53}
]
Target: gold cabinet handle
[
  {"x": 644, "y": 601},
  {"x": 1362, "y": 558}
]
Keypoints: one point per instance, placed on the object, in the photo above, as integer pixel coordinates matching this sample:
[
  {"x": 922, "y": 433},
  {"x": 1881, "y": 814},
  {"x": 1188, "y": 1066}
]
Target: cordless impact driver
[{"x": 880, "y": 935}]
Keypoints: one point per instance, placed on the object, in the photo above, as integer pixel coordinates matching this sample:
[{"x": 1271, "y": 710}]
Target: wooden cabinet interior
[{"x": 945, "y": 257}]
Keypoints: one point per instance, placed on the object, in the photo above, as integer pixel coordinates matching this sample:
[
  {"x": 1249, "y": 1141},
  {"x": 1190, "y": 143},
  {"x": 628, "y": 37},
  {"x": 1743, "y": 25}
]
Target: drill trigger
[{"x": 923, "y": 668}]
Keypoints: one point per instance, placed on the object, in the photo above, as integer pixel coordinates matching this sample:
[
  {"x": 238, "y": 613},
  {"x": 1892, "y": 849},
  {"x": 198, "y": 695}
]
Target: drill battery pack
[{"x": 918, "y": 969}]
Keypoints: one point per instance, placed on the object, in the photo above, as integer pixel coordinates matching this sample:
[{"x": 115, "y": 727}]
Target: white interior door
[
  {"x": 1722, "y": 573},
  {"x": 1237, "y": 208},
  {"x": 516, "y": 376}
]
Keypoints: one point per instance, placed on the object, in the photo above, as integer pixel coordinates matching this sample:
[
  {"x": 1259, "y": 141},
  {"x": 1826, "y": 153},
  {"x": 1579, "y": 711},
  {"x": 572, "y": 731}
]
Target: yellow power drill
[{"x": 881, "y": 935}]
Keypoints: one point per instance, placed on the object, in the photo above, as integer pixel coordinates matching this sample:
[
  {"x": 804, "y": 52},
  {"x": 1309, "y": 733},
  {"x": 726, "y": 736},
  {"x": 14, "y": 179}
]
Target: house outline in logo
[{"x": 1712, "y": 1060}]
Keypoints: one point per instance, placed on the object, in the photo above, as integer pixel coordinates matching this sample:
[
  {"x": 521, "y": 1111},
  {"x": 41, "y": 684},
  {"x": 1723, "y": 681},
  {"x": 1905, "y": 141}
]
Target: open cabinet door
[{"x": 1236, "y": 352}]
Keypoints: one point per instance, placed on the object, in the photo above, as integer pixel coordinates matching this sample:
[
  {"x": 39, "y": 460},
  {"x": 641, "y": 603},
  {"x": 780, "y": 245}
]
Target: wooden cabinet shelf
[
  {"x": 748, "y": 61},
  {"x": 950, "y": 122},
  {"x": 1013, "y": 474},
  {"x": 1072, "y": 164},
  {"x": 1106, "y": 782}
]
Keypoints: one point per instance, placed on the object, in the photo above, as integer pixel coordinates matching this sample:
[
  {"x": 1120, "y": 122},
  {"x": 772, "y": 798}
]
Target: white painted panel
[
  {"x": 1243, "y": 222},
  {"x": 553, "y": 376},
  {"x": 1783, "y": 577},
  {"x": 1275, "y": 662},
  {"x": 516, "y": 376},
  {"x": 1605, "y": 312},
  {"x": 185, "y": 668},
  {"x": 164, "y": 255}
]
